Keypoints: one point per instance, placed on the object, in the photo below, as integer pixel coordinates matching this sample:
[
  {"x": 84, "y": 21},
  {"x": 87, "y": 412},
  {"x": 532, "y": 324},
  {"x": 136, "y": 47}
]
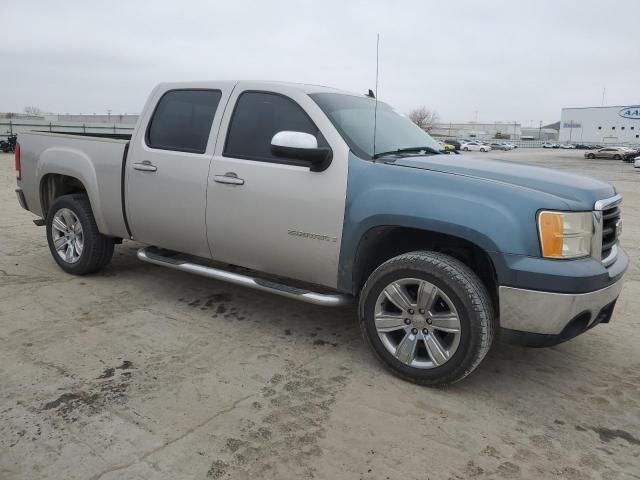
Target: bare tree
[
  {"x": 35, "y": 111},
  {"x": 423, "y": 117}
]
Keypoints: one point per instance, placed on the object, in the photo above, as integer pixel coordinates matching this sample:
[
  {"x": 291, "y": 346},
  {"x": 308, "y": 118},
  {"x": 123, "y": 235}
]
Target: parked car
[
  {"x": 475, "y": 147},
  {"x": 630, "y": 154},
  {"x": 510, "y": 145},
  {"x": 455, "y": 143},
  {"x": 636, "y": 162},
  {"x": 282, "y": 180},
  {"x": 550, "y": 145},
  {"x": 616, "y": 153},
  {"x": 447, "y": 147},
  {"x": 499, "y": 146},
  {"x": 567, "y": 146}
]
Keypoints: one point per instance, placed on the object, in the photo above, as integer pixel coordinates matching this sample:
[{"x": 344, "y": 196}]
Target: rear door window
[{"x": 182, "y": 120}]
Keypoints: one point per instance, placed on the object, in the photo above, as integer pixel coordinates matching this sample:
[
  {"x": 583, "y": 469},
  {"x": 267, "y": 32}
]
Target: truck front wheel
[
  {"x": 427, "y": 317},
  {"x": 74, "y": 240}
]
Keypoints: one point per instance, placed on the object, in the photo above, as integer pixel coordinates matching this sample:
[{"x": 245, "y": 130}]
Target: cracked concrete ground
[{"x": 145, "y": 373}]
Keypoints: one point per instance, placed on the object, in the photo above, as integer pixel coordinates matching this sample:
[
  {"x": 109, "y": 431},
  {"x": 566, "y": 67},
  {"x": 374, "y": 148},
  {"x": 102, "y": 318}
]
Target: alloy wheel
[
  {"x": 67, "y": 235},
  {"x": 417, "y": 323}
]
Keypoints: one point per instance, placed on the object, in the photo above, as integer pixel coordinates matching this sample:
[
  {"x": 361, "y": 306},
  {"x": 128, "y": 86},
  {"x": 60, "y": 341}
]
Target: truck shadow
[{"x": 288, "y": 321}]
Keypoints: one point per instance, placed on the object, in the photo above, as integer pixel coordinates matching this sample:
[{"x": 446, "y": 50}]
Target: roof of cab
[{"x": 305, "y": 87}]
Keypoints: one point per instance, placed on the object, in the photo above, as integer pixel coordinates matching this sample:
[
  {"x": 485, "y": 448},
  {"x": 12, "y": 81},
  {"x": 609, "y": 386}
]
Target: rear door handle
[
  {"x": 229, "y": 178},
  {"x": 145, "y": 166}
]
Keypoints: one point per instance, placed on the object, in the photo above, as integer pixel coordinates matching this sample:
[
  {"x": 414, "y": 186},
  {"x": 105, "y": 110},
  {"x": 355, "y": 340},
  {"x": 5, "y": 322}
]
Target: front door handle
[
  {"x": 229, "y": 178},
  {"x": 145, "y": 166}
]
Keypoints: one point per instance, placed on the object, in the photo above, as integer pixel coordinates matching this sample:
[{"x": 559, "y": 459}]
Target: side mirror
[{"x": 301, "y": 146}]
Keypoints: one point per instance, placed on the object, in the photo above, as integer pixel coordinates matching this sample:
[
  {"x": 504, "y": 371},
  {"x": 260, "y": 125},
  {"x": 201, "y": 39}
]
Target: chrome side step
[{"x": 328, "y": 300}]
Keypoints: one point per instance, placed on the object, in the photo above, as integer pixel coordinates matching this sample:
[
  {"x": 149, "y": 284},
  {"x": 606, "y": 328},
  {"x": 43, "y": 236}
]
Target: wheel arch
[
  {"x": 384, "y": 242},
  {"x": 64, "y": 170},
  {"x": 54, "y": 185}
]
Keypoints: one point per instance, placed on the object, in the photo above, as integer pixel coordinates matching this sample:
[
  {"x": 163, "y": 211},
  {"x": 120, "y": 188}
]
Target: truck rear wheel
[
  {"x": 427, "y": 317},
  {"x": 74, "y": 240}
]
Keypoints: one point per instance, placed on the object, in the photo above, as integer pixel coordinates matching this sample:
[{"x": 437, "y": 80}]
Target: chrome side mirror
[
  {"x": 289, "y": 139},
  {"x": 301, "y": 147}
]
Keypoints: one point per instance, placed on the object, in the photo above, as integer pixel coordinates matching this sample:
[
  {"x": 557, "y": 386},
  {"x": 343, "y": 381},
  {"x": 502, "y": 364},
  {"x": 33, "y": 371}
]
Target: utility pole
[
  {"x": 540, "y": 131},
  {"x": 109, "y": 116},
  {"x": 603, "y": 92},
  {"x": 570, "y": 129}
]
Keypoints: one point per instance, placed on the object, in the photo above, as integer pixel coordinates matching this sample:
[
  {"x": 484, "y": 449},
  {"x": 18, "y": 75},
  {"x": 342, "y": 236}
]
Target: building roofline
[{"x": 607, "y": 106}]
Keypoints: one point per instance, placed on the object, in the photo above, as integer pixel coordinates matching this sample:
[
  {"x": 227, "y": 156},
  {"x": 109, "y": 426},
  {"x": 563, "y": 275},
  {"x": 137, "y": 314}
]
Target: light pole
[
  {"x": 540, "y": 131},
  {"x": 570, "y": 129}
]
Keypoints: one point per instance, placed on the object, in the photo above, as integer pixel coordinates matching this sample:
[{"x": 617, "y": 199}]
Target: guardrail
[{"x": 9, "y": 127}]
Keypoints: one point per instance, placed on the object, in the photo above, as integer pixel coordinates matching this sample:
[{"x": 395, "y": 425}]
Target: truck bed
[{"x": 97, "y": 160}]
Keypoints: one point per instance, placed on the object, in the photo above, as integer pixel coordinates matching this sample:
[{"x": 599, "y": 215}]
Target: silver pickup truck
[{"x": 328, "y": 197}]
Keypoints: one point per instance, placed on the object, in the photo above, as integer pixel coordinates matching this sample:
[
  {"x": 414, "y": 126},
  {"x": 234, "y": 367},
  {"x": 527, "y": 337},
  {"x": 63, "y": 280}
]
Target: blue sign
[{"x": 630, "y": 112}]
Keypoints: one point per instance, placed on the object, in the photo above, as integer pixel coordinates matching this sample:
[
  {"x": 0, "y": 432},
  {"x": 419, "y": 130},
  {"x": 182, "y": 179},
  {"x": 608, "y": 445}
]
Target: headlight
[{"x": 565, "y": 234}]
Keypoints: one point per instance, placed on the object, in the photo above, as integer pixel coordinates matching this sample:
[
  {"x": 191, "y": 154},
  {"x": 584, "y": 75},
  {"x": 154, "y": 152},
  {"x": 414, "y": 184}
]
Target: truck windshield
[{"x": 353, "y": 117}]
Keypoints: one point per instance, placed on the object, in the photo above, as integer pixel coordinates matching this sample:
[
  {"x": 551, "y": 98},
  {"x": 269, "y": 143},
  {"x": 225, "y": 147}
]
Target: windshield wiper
[{"x": 408, "y": 150}]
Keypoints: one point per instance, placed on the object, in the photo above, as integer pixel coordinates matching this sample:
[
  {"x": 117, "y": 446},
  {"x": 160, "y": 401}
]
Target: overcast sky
[{"x": 506, "y": 60}]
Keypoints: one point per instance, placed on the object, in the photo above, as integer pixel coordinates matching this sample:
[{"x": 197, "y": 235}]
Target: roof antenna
[{"x": 375, "y": 108}]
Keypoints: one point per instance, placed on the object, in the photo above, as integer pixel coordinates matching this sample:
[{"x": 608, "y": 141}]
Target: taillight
[{"x": 18, "y": 168}]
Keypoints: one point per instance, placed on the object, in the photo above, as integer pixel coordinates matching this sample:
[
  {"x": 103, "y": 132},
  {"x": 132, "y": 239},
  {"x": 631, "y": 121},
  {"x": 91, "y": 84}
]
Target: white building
[
  {"x": 619, "y": 125},
  {"x": 540, "y": 133}
]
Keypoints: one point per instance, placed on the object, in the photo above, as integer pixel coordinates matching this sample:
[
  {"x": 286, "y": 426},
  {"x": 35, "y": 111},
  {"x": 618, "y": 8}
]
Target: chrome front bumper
[{"x": 549, "y": 313}]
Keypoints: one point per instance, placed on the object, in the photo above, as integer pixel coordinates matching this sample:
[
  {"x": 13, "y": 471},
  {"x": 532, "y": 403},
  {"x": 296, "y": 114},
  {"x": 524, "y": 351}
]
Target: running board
[{"x": 327, "y": 300}]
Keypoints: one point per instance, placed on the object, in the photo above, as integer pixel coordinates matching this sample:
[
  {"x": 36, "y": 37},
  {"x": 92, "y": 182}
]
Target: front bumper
[{"x": 548, "y": 313}]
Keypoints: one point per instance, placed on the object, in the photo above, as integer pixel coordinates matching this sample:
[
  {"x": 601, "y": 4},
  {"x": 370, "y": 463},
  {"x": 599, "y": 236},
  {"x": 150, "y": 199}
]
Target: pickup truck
[{"x": 331, "y": 197}]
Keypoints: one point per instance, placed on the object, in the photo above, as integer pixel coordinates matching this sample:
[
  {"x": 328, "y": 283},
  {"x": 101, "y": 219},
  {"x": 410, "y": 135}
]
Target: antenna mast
[{"x": 375, "y": 108}]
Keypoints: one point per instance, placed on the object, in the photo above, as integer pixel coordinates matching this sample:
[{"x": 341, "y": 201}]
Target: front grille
[{"x": 610, "y": 219}]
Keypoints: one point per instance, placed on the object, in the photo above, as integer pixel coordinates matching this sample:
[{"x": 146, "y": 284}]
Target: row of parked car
[
  {"x": 475, "y": 146},
  {"x": 625, "y": 154},
  {"x": 558, "y": 145}
]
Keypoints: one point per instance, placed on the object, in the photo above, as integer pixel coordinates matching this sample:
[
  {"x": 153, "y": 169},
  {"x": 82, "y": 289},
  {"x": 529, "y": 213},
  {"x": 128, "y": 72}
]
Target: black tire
[
  {"x": 466, "y": 149},
  {"x": 464, "y": 289},
  {"x": 591, "y": 156},
  {"x": 97, "y": 250},
  {"x": 617, "y": 157}
]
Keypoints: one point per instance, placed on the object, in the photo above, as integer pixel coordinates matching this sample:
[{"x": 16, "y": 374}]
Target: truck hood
[{"x": 579, "y": 192}]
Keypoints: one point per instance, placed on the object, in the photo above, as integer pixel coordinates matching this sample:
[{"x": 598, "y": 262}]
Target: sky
[{"x": 490, "y": 60}]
